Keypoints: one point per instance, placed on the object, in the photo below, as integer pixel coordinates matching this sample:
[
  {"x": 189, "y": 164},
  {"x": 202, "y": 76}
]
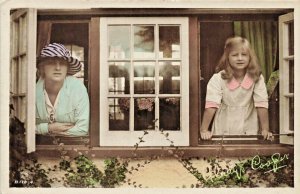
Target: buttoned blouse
[
  {"x": 236, "y": 103},
  {"x": 72, "y": 107}
]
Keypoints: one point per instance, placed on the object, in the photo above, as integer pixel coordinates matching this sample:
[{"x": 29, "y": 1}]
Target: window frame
[
  {"x": 154, "y": 138},
  {"x": 25, "y": 22},
  {"x": 194, "y": 77},
  {"x": 284, "y": 67}
]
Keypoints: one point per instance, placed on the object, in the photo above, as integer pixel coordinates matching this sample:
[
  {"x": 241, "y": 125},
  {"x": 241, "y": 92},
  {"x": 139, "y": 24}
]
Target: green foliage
[
  {"x": 86, "y": 173},
  {"x": 114, "y": 173},
  {"x": 24, "y": 169}
]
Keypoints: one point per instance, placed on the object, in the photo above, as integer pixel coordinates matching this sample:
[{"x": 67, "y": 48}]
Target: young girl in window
[
  {"x": 62, "y": 102},
  {"x": 236, "y": 95}
]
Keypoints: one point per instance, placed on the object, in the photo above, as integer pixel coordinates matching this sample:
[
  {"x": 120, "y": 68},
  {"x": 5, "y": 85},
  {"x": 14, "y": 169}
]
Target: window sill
[{"x": 199, "y": 151}]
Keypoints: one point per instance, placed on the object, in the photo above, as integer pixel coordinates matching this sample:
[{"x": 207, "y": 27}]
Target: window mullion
[
  {"x": 131, "y": 113},
  {"x": 156, "y": 50}
]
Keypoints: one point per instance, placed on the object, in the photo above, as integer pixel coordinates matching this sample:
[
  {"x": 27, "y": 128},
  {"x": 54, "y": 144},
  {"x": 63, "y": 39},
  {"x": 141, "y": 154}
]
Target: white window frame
[
  {"x": 284, "y": 67},
  {"x": 23, "y": 66},
  {"x": 154, "y": 138}
]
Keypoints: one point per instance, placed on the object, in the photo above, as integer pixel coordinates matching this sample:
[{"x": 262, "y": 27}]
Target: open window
[
  {"x": 272, "y": 40},
  {"x": 286, "y": 74},
  {"x": 74, "y": 35},
  {"x": 22, "y": 80}
]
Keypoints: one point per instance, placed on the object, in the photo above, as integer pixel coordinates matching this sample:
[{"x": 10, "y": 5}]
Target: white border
[{"x": 5, "y": 6}]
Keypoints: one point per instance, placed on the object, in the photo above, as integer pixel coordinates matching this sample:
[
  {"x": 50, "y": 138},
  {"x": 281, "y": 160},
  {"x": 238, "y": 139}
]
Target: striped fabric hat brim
[{"x": 59, "y": 50}]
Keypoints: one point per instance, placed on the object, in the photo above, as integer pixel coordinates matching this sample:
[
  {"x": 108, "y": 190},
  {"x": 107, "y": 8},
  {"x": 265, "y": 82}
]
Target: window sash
[
  {"x": 184, "y": 72},
  {"x": 284, "y": 67},
  {"x": 23, "y": 60}
]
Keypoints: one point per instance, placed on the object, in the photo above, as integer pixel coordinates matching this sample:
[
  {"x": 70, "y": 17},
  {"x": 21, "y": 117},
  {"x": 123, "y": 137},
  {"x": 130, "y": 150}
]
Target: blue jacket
[{"x": 73, "y": 107}]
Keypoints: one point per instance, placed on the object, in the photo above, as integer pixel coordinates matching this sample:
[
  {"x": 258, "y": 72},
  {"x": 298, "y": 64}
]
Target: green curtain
[{"x": 262, "y": 35}]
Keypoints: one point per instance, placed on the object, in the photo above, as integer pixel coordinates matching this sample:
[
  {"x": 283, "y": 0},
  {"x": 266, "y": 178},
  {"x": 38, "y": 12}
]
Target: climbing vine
[{"x": 81, "y": 171}]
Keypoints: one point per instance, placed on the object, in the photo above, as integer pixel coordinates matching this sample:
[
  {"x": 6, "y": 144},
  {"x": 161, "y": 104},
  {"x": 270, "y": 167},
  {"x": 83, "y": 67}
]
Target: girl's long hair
[{"x": 253, "y": 69}]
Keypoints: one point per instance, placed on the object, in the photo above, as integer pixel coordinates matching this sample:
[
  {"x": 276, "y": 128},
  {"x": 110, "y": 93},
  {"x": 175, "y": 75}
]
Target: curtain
[
  {"x": 262, "y": 35},
  {"x": 43, "y": 36}
]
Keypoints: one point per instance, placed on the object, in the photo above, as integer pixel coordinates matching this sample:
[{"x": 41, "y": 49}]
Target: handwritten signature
[
  {"x": 257, "y": 163},
  {"x": 274, "y": 162}
]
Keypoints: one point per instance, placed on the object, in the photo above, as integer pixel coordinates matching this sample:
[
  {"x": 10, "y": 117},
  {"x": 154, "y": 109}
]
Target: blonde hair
[{"x": 253, "y": 69}]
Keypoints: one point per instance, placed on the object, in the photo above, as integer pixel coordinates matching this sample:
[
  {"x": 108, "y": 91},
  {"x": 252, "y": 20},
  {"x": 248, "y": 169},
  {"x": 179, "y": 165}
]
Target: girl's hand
[
  {"x": 58, "y": 128},
  {"x": 267, "y": 134},
  {"x": 205, "y": 134}
]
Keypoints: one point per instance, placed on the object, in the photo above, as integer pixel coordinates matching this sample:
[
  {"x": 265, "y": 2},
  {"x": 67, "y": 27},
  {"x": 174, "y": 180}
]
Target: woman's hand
[
  {"x": 59, "y": 128},
  {"x": 205, "y": 134},
  {"x": 267, "y": 135}
]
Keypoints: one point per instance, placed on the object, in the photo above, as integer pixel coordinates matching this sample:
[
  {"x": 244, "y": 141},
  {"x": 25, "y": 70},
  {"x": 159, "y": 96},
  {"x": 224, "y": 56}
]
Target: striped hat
[{"x": 59, "y": 50}]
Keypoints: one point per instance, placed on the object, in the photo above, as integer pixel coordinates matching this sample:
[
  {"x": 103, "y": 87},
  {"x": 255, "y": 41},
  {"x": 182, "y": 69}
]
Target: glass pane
[
  {"x": 291, "y": 77},
  {"x": 119, "y": 114},
  {"x": 118, "y": 81},
  {"x": 291, "y": 116},
  {"x": 119, "y": 42},
  {"x": 169, "y": 42},
  {"x": 23, "y": 35},
  {"x": 169, "y": 77},
  {"x": 14, "y": 76},
  {"x": 22, "y": 86},
  {"x": 22, "y": 106},
  {"x": 77, "y": 52},
  {"x": 144, "y": 42},
  {"x": 15, "y": 36},
  {"x": 291, "y": 38},
  {"x": 144, "y": 77},
  {"x": 169, "y": 114},
  {"x": 144, "y": 114}
]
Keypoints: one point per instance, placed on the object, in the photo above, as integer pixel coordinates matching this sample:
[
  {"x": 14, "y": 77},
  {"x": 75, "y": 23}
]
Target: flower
[
  {"x": 172, "y": 101},
  {"x": 145, "y": 104},
  {"x": 142, "y": 104},
  {"x": 124, "y": 103}
]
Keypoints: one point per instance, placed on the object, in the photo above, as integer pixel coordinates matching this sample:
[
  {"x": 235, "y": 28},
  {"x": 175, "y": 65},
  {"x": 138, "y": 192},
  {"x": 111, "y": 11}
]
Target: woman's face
[
  {"x": 239, "y": 58},
  {"x": 55, "y": 69}
]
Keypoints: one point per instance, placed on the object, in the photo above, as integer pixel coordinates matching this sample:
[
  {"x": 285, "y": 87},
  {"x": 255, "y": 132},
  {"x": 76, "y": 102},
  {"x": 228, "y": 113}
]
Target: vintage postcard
[{"x": 181, "y": 96}]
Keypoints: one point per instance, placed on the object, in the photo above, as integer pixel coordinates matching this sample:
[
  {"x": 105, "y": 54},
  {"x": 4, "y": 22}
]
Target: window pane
[
  {"x": 144, "y": 77},
  {"x": 119, "y": 114},
  {"x": 291, "y": 77},
  {"x": 144, "y": 114},
  {"x": 78, "y": 52},
  {"x": 22, "y": 86},
  {"x": 118, "y": 81},
  {"x": 291, "y": 38},
  {"x": 291, "y": 116},
  {"x": 144, "y": 42},
  {"x": 169, "y": 42},
  {"x": 119, "y": 42},
  {"x": 169, "y": 77},
  {"x": 169, "y": 114}
]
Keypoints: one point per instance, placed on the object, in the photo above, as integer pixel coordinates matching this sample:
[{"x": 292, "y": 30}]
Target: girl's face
[
  {"x": 239, "y": 58},
  {"x": 55, "y": 69}
]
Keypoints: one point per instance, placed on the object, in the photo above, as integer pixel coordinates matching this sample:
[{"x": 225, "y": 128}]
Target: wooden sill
[{"x": 199, "y": 151}]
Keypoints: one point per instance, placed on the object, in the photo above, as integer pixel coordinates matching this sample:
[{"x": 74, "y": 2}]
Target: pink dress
[{"x": 236, "y": 103}]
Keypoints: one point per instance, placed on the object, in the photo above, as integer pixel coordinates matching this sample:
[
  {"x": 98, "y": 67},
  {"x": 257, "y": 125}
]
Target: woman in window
[
  {"x": 236, "y": 96},
  {"x": 62, "y": 102}
]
